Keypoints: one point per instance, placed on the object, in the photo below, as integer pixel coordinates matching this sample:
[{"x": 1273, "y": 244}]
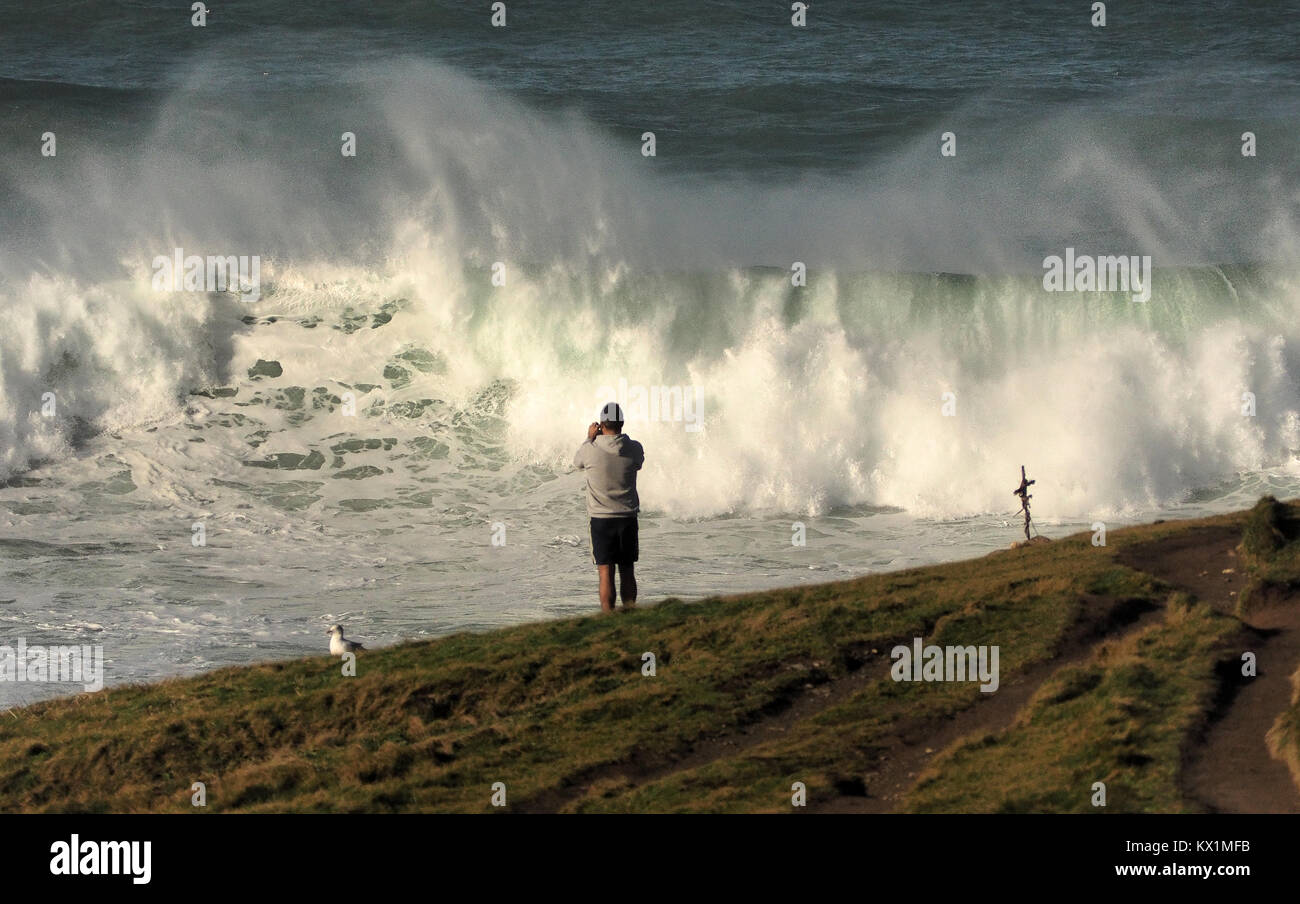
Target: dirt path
[
  {"x": 908, "y": 749},
  {"x": 911, "y": 749},
  {"x": 1230, "y": 769},
  {"x": 774, "y": 724}
]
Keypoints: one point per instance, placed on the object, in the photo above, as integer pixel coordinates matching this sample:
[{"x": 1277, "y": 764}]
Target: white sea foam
[{"x": 823, "y": 404}]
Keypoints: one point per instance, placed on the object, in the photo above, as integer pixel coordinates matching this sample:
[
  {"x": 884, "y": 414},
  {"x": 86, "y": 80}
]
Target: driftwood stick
[{"x": 1023, "y": 492}]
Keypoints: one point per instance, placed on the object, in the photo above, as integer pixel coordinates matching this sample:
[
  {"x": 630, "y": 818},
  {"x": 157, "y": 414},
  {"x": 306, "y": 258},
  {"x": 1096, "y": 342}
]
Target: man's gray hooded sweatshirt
[{"x": 611, "y": 463}]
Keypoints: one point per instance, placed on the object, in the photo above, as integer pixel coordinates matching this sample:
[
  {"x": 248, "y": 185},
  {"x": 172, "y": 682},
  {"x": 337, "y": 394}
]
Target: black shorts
[{"x": 614, "y": 541}]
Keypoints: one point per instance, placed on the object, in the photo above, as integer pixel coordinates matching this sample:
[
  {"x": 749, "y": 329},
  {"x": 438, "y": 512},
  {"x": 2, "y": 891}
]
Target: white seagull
[{"x": 340, "y": 644}]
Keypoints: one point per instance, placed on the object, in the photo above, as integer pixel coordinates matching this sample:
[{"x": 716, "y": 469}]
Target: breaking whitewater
[{"x": 379, "y": 432}]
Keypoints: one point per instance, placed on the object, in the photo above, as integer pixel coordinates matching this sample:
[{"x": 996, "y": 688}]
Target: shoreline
[{"x": 742, "y": 696}]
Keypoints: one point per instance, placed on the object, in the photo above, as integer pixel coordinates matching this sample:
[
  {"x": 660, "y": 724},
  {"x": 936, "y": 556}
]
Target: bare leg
[
  {"x": 627, "y": 584},
  {"x": 606, "y": 573}
]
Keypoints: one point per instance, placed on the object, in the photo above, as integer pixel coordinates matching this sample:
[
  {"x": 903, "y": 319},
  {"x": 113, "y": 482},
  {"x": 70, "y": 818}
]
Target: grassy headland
[{"x": 1119, "y": 671}]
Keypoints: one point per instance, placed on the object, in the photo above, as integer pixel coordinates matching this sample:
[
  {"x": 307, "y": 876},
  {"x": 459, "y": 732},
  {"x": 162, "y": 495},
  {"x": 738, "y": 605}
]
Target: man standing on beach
[{"x": 611, "y": 459}]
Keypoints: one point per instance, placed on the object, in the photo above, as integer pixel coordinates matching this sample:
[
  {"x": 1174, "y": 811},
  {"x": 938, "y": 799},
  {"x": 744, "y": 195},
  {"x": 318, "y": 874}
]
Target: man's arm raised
[{"x": 578, "y": 461}]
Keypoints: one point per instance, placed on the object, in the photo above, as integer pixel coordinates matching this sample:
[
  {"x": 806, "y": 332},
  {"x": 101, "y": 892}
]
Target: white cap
[{"x": 612, "y": 413}]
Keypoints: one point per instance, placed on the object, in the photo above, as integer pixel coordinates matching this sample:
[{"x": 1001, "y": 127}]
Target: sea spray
[{"x": 820, "y": 395}]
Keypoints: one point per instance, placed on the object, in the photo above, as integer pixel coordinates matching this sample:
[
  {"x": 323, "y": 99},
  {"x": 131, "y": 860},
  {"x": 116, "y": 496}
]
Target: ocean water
[{"x": 352, "y": 441}]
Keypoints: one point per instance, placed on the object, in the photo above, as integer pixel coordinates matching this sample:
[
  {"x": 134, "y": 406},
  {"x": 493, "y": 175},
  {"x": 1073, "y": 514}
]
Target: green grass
[
  {"x": 546, "y": 708},
  {"x": 1120, "y": 719},
  {"x": 1269, "y": 554},
  {"x": 1270, "y": 548},
  {"x": 1284, "y": 736}
]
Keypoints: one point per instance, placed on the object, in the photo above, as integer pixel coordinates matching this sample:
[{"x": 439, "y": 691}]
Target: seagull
[{"x": 340, "y": 644}]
